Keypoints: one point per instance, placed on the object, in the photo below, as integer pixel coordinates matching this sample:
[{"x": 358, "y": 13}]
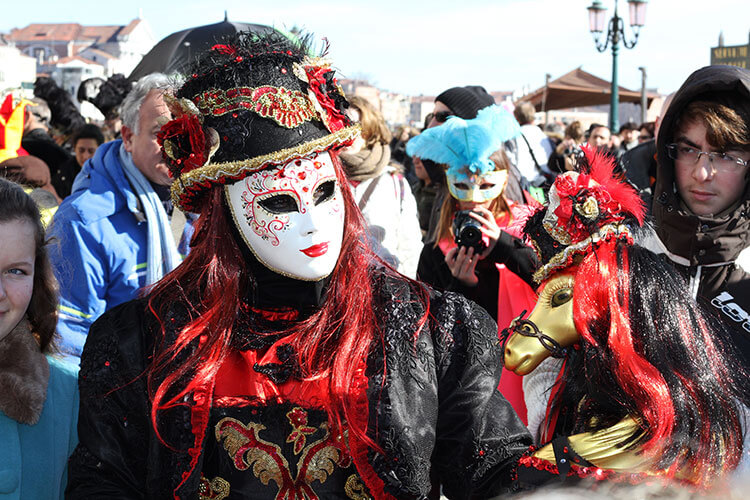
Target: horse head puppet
[{"x": 645, "y": 387}]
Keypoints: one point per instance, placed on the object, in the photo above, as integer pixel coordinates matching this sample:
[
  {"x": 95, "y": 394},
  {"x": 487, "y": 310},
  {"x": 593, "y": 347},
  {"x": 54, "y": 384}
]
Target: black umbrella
[{"x": 174, "y": 53}]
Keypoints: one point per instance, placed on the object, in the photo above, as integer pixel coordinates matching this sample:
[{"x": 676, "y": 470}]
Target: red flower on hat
[
  {"x": 318, "y": 78},
  {"x": 584, "y": 206},
  {"x": 183, "y": 143}
]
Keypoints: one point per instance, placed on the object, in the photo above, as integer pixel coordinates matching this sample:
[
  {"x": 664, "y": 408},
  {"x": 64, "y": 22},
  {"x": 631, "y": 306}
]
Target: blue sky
[{"x": 425, "y": 47}]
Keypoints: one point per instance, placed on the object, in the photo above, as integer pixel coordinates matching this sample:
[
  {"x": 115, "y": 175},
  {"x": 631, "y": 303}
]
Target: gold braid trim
[
  {"x": 288, "y": 108},
  {"x": 560, "y": 259},
  {"x": 189, "y": 184}
]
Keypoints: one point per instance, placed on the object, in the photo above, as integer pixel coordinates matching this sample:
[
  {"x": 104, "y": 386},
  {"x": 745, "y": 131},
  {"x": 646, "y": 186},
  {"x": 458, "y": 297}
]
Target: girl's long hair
[
  {"x": 16, "y": 205},
  {"x": 649, "y": 351},
  {"x": 331, "y": 344}
]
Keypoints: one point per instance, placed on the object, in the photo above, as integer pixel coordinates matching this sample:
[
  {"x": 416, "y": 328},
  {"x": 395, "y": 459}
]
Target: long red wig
[{"x": 331, "y": 344}]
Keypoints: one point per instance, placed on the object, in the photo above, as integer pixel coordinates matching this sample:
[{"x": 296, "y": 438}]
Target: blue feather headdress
[{"x": 461, "y": 143}]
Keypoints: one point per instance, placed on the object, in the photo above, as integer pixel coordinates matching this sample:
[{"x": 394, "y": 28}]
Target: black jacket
[
  {"x": 509, "y": 250},
  {"x": 439, "y": 411},
  {"x": 705, "y": 249}
]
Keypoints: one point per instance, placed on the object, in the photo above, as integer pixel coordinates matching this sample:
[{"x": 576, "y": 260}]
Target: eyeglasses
[
  {"x": 442, "y": 116},
  {"x": 720, "y": 161}
]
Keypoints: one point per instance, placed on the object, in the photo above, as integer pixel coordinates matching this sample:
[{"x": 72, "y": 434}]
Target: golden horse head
[{"x": 548, "y": 331}]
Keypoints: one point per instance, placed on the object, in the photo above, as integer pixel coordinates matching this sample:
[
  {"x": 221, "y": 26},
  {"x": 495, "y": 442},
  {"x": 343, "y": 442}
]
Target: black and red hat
[
  {"x": 252, "y": 102},
  {"x": 585, "y": 209}
]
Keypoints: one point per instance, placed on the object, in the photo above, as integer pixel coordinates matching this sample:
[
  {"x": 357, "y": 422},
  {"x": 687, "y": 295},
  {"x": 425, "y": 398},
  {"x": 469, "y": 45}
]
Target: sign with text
[{"x": 736, "y": 55}]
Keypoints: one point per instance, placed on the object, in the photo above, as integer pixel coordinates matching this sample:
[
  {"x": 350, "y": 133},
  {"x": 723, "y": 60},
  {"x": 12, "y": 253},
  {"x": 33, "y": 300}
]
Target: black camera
[{"x": 467, "y": 231}]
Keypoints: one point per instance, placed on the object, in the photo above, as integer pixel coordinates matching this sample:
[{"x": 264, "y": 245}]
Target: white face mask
[{"x": 291, "y": 217}]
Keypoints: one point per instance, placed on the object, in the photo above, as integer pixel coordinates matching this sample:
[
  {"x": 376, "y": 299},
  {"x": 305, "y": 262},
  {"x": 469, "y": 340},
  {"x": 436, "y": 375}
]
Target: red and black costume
[{"x": 230, "y": 380}]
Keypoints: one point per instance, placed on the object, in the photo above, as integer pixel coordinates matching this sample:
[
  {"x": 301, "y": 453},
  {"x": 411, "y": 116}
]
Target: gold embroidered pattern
[
  {"x": 355, "y": 488},
  {"x": 189, "y": 183},
  {"x": 288, "y": 108},
  {"x": 248, "y": 450},
  {"x": 215, "y": 489}
]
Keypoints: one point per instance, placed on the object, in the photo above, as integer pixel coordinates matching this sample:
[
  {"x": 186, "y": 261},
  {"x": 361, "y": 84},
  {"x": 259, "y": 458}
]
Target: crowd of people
[{"x": 342, "y": 313}]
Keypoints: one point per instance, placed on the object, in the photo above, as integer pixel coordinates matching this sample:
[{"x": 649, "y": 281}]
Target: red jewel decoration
[
  {"x": 302, "y": 175},
  {"x": 234, "y": 115},
  {"x": 195, "y": 75},
  {"x": 481, "y": 453},
  {"x": 298, "y": 162},
  {"x": 283, "y": 71},
  {"x": 238, "y": 58},
  {"x": 305, "y": 189},
  {"x": 106, "y": 363}
]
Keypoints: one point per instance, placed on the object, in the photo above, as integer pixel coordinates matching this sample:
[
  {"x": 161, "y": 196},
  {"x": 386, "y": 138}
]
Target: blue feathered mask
[{"x": 461, "y": 143}]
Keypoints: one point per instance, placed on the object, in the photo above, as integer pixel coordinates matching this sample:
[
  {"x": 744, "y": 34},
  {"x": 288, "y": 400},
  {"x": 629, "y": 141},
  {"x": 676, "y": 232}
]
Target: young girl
[
  {"x": 494, "y": 274},
  {"x": 38, "y": 394}
]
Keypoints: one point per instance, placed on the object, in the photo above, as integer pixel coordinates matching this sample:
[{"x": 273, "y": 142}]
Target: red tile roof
[
  {"x": 36, "y": 32},
  {"x": 100, "y": 33},
  {"x": 69, "y": 31},
  {"x": 130, "y": 27}
]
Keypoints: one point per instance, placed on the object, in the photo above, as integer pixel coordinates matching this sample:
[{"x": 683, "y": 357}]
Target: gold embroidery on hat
[{"x": 288, "y": 108}]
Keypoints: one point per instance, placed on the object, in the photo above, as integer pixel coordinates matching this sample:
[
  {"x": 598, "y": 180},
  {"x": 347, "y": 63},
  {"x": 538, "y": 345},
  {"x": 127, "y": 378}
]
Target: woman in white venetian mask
[
  {"x": 38, "y": 393},
  {"x": 280, "y": 360},
  {"x": 477, "y": 252}
]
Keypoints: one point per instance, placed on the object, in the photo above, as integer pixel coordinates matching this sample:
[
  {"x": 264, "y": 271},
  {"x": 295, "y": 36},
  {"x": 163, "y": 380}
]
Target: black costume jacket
[{"x": 437, "y": 414}]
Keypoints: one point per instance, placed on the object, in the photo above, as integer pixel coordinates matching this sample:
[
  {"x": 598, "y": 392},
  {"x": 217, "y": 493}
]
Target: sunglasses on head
[{"x": 441, "y": 116}]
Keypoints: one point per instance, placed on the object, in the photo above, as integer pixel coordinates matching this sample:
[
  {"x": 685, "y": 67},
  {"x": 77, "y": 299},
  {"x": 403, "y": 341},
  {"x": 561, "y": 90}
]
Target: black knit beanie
[{"x": 466, "y": 102}]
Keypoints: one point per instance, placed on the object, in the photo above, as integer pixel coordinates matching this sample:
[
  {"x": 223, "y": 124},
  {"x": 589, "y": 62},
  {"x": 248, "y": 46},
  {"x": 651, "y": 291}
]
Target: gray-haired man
[{"x": 113, "y": 231}]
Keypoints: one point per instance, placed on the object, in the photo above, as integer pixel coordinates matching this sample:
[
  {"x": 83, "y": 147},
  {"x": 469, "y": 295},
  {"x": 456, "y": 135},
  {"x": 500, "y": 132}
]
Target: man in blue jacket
[{"x": 112, "y": 234}]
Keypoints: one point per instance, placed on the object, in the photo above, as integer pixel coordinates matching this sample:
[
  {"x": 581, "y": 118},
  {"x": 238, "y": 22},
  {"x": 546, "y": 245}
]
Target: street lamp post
[{"x": 615, "y": 34}]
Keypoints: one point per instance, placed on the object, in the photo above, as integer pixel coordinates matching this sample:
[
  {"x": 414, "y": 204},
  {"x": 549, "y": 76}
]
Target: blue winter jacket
[
  {"x": 34, "y": 458},
  {"x": 99, "y": 248}
]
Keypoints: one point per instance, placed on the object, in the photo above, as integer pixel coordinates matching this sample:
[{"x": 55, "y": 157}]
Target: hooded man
[{"x": 702, "y": 195}]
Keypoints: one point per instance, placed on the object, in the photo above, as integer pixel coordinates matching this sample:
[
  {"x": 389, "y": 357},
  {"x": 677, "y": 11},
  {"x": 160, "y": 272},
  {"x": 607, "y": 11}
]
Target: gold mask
[{"x": 549, "y": 330}]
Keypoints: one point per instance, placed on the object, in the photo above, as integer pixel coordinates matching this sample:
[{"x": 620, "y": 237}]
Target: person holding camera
[
  {"x": 563, "y": 158},
  {"x": 477, "y": 252}
]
